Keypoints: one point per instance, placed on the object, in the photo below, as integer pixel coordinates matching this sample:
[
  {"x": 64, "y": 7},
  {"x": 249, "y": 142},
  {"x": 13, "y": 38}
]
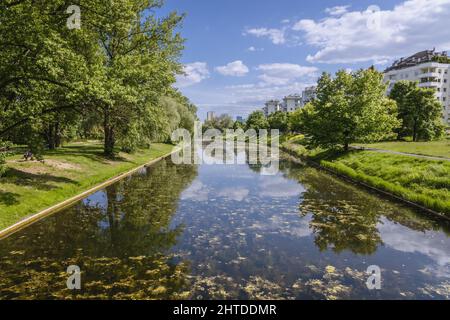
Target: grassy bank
[
  {"x": 31, "y": 186},
  {"x": 431, "y": 148},
  {"x": 422, "y": 181}
]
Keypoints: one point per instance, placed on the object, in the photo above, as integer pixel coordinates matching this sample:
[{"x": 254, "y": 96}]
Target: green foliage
[
  {"x": 295, "y": 120},
  {"x": 441, "y": 59},
  {"x": 105, "y": 79},
  {"x": 279, "y": 120},
  {"x": 419, "y": 110},
  {"x": 257, "y": 121},
  {"x": 4, "y": 149},
  {"x": 350, "y": 107},
  {"x": 221, "y": 123}
]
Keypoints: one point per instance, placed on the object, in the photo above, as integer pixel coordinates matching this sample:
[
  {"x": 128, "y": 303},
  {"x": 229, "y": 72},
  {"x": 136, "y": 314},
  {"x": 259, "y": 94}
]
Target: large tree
[
  {"x": 349, "y": 107},
  {"x": 419, "y": 110},
  {"x": 257, "y": 121},
  {"x": 279, "y": 120},
  {"x": 110, "y": 74}
]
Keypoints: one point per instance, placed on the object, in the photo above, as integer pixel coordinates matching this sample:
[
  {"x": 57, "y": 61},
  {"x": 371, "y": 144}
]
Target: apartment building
[
  {"x": 308, "y": 94},
  {"x": 291, "y": 102},
  {"x": 430, "y": 69},
  {"x": 272, "y": 106}
]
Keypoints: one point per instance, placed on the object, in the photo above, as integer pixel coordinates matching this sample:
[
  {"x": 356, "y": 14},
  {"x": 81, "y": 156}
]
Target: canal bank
[
  {"x": 65, "y": 203},
  {"x": 377, "y": 184}
]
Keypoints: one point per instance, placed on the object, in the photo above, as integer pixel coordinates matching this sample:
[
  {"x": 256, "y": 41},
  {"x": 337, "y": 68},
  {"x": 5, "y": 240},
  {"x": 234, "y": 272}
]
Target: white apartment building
[
  {"x": 272, "y": 106},
  {"x": 424, "y": 68},
  {"x": 292, "y": 102}
]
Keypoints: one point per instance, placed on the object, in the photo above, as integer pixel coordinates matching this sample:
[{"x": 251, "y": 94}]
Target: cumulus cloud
[
  {"x": 193, "y": 73},
  {"x": 337, "y": 11},
  {"x": 378, "y": 35},
  {"x": 283, "y": 73},
  {"x": 277, "y": 36},
  {"x": 235, "y": 69}
]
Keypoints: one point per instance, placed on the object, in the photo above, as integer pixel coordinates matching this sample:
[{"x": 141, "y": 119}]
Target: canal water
[{"x": 227, "y": 232}]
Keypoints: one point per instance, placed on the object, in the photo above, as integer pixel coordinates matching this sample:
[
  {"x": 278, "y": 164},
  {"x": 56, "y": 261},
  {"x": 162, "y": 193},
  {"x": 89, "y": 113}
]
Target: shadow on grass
[
  {"x": 8, "y": 198},
  {"x": 90, "y": 152},
  {"x": 38, "y": 181}
]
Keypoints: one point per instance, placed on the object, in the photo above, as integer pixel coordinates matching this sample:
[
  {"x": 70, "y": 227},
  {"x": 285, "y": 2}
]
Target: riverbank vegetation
[
  {"x": 351, "y": 109},
  {"x": 31, "y": 186}
]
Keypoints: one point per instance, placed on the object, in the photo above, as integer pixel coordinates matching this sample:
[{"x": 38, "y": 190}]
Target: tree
[
  {"x": 419, "y": 110},
  {"x": 279, "y": 120},
  {"x": 351, "y": 107},
  {"x": 106, "y": 78},
  {"x": 221, "y": 122},
  {"x": 257, "y": 121},
  {"x": 295, "y": 119}
]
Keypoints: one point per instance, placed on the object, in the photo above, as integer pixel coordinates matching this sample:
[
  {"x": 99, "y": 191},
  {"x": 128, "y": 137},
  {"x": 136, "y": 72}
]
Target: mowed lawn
[
  {"x": 423, "y": 181},
  {"x": 431, "y": 148},
  {"x": 31, "y": 186}
]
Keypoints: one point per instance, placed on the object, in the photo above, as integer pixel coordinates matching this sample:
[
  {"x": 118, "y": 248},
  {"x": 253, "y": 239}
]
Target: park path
[{"x": 402, "y": 153}]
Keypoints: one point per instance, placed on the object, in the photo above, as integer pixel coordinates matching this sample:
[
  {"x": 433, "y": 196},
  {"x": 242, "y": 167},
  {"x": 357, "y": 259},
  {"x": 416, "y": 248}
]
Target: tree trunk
[
  {"x": 415, "y": 132},
  {"x": 109, "y": 135},
  {"x": 57, "y": 138},
  {"x": 346, "y": 146},
  {"x": 51, "y": 137}
]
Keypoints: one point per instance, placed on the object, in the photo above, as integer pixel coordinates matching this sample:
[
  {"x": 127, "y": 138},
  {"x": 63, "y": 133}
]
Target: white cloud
[
  {"x": 283, "y": 73},
  {"x": 277, "y": 36},
  {"x": 235, "y": 69},
  {"x": 369, "y": 35},
  {"x": 194, "y": 73},
  {"x": 236, "y": 194},
  {"x": 337, "y": 11},
  {"x": 254, "y": 49}
]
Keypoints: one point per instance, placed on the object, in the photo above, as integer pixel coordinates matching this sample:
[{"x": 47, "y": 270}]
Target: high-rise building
[
  {"x": 210, "y": 115},
  {"x": 430, "y": 69}
]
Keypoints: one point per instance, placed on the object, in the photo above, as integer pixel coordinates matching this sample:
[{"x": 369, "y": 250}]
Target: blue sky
[{"x": 240, "y": 53}]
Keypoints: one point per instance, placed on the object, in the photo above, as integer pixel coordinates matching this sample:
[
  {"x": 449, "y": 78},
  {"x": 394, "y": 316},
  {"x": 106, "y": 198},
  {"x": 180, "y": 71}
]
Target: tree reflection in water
[
  {"x": 345, "y": 218},
  {"x": 120, "y": 238}
]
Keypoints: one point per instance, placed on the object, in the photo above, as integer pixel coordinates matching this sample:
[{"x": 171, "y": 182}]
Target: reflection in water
[
  {"x": 120, "y": 238},
  {"x": 225, "y": 231}
]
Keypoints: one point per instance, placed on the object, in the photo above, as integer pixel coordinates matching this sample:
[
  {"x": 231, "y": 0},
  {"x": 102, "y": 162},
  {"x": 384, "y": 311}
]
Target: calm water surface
[{"x": 226, "y": 231}]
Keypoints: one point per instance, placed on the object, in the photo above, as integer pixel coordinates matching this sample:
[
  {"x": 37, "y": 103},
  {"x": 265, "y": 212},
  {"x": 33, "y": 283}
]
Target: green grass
[
  {"x": 29, "y": 187},
  {"x": 431, "y": 148},
  {"x": 423, "y": 181}
]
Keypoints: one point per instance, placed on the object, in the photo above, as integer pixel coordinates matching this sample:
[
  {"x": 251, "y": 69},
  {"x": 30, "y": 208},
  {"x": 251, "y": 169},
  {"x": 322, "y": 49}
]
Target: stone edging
[{"x": 58, "y": 207}]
